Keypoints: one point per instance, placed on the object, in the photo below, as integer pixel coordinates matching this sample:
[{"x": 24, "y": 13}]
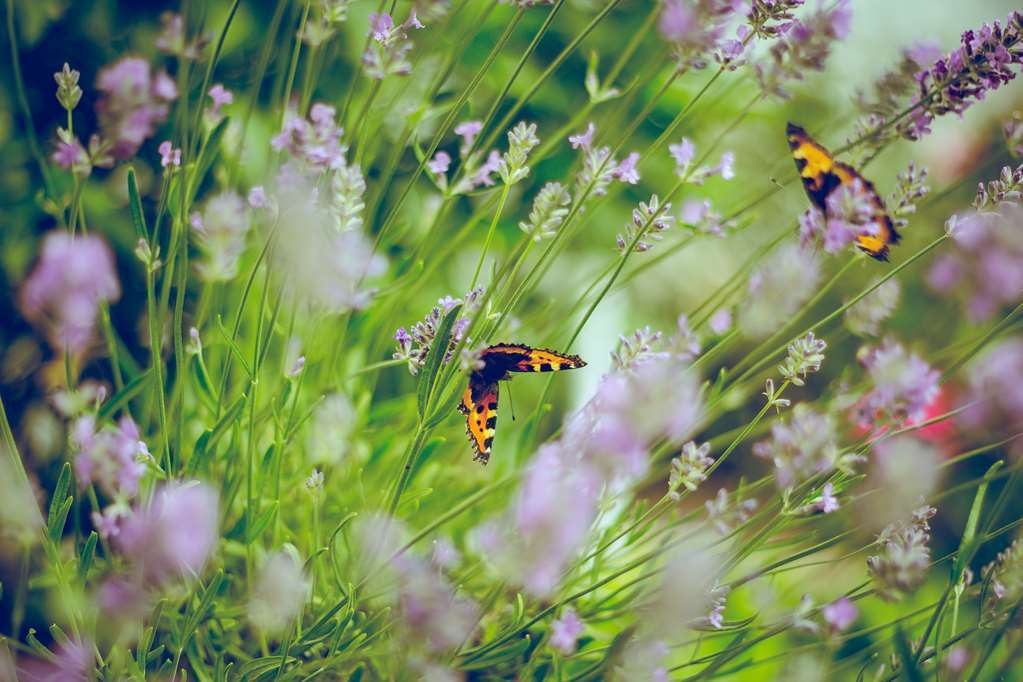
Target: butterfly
[
  {"x": 479, "y": 402},
  {"x": 822, "y": 175}
]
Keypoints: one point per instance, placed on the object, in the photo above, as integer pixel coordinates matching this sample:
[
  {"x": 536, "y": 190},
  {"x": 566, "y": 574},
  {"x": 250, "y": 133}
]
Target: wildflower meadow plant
[{"x": 268, "y": 269}]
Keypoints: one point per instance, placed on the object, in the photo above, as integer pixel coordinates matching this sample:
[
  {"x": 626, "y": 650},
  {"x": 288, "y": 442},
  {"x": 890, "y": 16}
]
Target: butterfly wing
[
  {"x": 875, "y": 245},
  {"x": 479, "y": 405},
  {"x": 814, "y": 163},
  {"x": 517, "y": 357},
  {"x": 822, "y": 175}
]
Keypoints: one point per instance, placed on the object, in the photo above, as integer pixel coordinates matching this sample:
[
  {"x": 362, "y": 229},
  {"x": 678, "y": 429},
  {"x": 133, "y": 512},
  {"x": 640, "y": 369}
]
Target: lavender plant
[{"x": 234, "y": 344}]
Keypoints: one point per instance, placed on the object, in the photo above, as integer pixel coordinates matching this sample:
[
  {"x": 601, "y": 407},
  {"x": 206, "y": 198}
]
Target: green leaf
[
  {"x": 260, "y": 666},
  {"x": 428, "y": 375},
  {"x": 264, "y": 519},
  {"x": 211, "y": 150},
  {"x": 87, "y": 555},
  {"x": 968, "y": 545},
  {"x": 905, "y": 652},
  {"x": 122, "y": 397},
  {"x": 138, "y": 218},
  {"x": 60, "y": 505},
  {"x": 205, "y": 604},
  {"x": 207, "y": 442}
]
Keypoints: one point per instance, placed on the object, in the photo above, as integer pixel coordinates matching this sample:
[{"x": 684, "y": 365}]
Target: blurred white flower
[{"x": 280, "y": 590}]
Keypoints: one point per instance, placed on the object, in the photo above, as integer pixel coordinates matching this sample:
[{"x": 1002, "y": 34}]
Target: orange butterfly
[
  {"x": 822, "y": 175},
  {"x": 479, "y": 402}
]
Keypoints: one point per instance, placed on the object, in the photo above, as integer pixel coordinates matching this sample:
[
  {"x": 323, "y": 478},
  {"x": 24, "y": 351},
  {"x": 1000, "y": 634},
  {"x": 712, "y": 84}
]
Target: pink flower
[
  {"x": 174, "y": 537},
  {"x": 626, "y": 171},
  {"x": 565, "y": 631},
  {"x": 134, "y": 102},
  {"x": 316, "y": 141},
  {"x": 73, "y": 276},
  {"x": 721, "y": 321},
  {"x": 169, "y": 156},
  {"x": 727, "y": 166},
  {"x": 220, "y": 96},
  {"x": 72, "y": 662},
  {"x": 257, "y": 197},
  {"x": 903, "y": 385},
  {"x": 683, "y": 152},
  {"x": 380, "y": 26},
  {"x": 584, "y": 139},
  {"x": 440, "y": 163},
  {"x": 840, "y": 614},
  {"x": 468, "y": 130},
  {"x": 70, "y": 155}
]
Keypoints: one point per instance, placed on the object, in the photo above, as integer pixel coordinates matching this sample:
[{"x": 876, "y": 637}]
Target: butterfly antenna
[{"x": 511, "y": 402}]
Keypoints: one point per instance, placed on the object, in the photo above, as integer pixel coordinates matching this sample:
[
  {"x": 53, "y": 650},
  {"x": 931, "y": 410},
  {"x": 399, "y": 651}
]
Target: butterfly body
[
  {"x": 821, "y": 175},
  {"x": 479, "y": 402}
]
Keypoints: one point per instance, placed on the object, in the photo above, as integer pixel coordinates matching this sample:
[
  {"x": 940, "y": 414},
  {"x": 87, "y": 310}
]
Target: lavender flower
[
  {"x": 903, "y": 385},
  {"x": 695, "y": 28},
  {"x": 548, "y": 213},
  {"x": 995, "y": 380},
  {"x": 220, "y": 231},
  {"x": 548, "y": 522},
  {"x": 840, "y": 614},
  {"x": 439, "y": 164},
  {"x": 468, "y": 130},
  {"x": 134, "y": 102},
  {"x": 689, "y": 468},
  {"x": 172, "y": 38},
  {"x": 174, "y": 536},
  {"x": 636, "y": 348},
  {"x": 778, "y": 288},
  {"x": 825, "y": 503},
  {"x": 850, "y": 213},
  {"x": 565, "y": 632},
  {"x": 684, "y": 154},
  {"x": 903, "y": 472},
  {"x": 804, "y": 46},
  {"x": 521, "y": 140},
  {"x": 429, "y": 606},
  {"x": 280, "y": 590},
  {"x": 771, "y": 18},
  {"x": 910, "y": 188},
  {"x": 598, "y": 166},
  {"x": 626, "y": 170},
  {"x": 219, "y": 98},
  {"x": 69, "y": 94},
  {"x": 73, "y": 661},
  {"x": 387, "y": 52},
  {"x": 71, "y": 155},
  {"x": 983, "y": 62},
  {"x": 322, "y": 255},
  {"x": 890, "y": 94},
  {"x": 415, "y": 346},
  {"x": 63, "y": 294},
  {"x": 583, "y": 140},
  {"x": 657, "y": 399},
  {"x": 112, "y": 458},
  {"x": 169, "y": 156},
  {"x": 1005, "y": 581},
  {"x": 726, "y": 512},
  {"x": 803, "y": 446},
  {"x": 1013, "y": 130},
  {"x": 648, "y": 221},
  {"x": 864, "y": 318},
  {"x": 901, "y": 566},
  {"x": 316, "y": 141},
  {"x": 721, "y": 321},
  {"x": 805, "y": 356},
  {"x": 986, "y": 265}
]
